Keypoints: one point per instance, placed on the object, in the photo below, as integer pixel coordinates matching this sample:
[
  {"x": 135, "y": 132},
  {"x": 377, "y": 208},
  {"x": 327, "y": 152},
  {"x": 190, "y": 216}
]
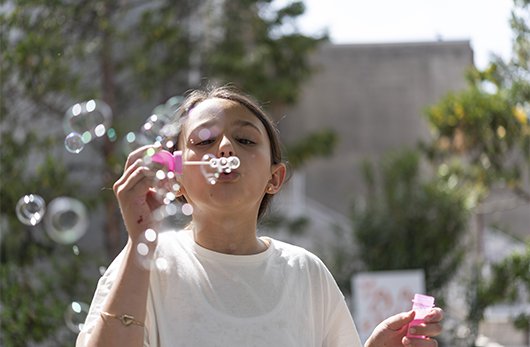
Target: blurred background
[{"x": 406, "y": 125}]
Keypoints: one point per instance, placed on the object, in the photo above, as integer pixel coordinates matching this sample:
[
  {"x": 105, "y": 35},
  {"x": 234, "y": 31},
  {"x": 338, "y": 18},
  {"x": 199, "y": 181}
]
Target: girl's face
[{"x": 225, "y": 128}]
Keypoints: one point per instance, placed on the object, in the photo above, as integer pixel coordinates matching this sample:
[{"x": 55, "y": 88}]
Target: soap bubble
[
  {"x": 187, "y": 209},
  {"x": 74, "y": 143},
  {"x": 209, "y": 172},
  {"x": 30, "y": 209},
  {"x": 133, "y": 140},
  {"x": 91, "y": 119},
  {"x": 150, "y": 235},
  {"x": 142, "y": 249},
  {"x": 152, "y": 128},
  {"x": 66, "y": 220},
  {"x": 173, "y": 104},
  {"x": 75, "y": 316}
]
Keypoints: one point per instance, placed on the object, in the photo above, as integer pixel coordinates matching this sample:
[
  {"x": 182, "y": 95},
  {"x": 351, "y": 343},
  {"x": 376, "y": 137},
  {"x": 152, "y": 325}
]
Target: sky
[{"x": 485, "y": 23}]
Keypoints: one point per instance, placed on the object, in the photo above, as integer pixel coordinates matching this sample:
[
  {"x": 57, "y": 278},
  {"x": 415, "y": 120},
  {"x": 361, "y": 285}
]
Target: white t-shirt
[{"x": 284, "y": 296}]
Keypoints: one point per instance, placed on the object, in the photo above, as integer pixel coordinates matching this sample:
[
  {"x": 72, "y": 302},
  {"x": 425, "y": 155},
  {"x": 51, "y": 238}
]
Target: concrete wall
[{"x": 373, "y": 96}]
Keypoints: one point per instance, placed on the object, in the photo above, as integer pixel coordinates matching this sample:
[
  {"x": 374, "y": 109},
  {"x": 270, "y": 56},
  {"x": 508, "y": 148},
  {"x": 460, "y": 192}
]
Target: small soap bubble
[
  {"x": 150, "y": 235},
  {"x": 75, "y": 316},
  {"x": 210, "y": 170},
  {"x": 75, "y": 249},
  {"x": 111, "y": 134},
  {"x": 86, "y": 137},
  {"x": 90, "y": 105},
  {"x": 76, "y": 110},
  {"x": 142, "y": 249},
  {"x": 187, "y": 209},
  {"x": 169, "y": 198},
  {"x": 102, "y": 270},
  {"x": 205, "y": 134},
  {"x": 74, "y": 143},
  {"x": 30, "y": 209},
  {"x": 66, "y": 220},
  {"x": 160, "y": 175},
  {"x": 100, "y": 130},
  {"x": 130, "y": 137},
  {"x": 132, "y": 141}
]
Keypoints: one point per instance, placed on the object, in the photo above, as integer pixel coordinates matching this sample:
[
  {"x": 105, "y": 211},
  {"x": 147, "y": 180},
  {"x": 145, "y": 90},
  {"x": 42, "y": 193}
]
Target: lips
[{"x": 228, "y": 177}]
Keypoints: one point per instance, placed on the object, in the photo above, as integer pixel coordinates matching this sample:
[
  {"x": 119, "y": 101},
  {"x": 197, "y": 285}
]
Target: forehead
[{"x": 221, "y": 112}]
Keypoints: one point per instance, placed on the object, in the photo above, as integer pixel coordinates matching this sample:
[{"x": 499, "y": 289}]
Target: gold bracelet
[{"x": 125, "y": 319}]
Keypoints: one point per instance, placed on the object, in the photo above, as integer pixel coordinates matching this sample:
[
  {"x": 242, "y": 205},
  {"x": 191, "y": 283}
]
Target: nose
[{"x": 225, "y": 148}]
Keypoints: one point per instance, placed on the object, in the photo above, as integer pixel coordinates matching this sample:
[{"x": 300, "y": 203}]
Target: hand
[
  {"x": 136, "y": 194},
  {"x": 393, "y": 330}
]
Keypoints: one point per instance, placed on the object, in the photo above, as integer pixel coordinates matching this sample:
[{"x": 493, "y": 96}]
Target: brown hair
[{"x": 231, "y": 93}]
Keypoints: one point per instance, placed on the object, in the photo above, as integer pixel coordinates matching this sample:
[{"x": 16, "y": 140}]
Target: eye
[
  {"x": 198, "y": 142},
  {"x": 244, "y": 141},
  {"x": 205, "y": 142}
]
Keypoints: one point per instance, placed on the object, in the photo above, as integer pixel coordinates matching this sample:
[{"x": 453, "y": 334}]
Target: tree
[
  {"x": 129, "y": 53},
  {"x": 482, "y": 135},
  {"x": 509, "y": 281},
  {"x": 411, "y": 221}
]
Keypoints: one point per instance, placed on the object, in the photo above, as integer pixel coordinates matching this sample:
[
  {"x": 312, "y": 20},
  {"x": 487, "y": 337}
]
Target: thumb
[{"x": 398, "y": 321}]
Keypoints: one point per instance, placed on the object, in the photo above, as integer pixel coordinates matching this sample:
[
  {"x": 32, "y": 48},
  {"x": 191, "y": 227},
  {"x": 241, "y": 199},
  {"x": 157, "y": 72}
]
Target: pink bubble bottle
[{"x": 422, "y": 305}]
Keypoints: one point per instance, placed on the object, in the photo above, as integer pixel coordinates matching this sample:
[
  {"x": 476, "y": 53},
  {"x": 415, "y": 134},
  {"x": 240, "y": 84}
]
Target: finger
[
  {"x": 127, "y": 173},
  {"x": 137, "y": 154},
  {"x": 436, "y": 315},
  {"x": 398, "y": 321},
  {"x": 141, "y": 179},
  {"x": 426, "y": 329},
  {"x": 412, "y": 342}
]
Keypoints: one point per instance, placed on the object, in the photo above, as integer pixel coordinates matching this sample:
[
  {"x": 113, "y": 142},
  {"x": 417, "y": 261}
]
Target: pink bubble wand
[{"x": 175, "y": 163}]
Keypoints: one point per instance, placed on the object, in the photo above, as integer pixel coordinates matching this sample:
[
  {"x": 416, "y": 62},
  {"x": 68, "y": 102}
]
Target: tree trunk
[{"x": 112, "y": 222}]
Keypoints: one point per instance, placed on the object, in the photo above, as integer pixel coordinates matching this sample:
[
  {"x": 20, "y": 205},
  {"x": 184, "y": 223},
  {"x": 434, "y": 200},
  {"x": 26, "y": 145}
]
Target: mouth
[{"x": 228, "y": 177}]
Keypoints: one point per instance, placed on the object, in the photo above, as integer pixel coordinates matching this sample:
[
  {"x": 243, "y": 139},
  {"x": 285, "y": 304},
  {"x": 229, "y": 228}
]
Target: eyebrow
[
  {"x": 246, "y": 123},
  {"x": 239, "y": 122}
]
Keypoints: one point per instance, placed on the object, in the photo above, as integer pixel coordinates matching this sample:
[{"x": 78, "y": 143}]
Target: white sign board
[{"x": 381, "y": 294}]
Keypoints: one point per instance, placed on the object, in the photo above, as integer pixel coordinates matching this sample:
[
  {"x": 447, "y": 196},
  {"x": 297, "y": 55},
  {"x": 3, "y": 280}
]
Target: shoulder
[{"x": 297, "y": 256}]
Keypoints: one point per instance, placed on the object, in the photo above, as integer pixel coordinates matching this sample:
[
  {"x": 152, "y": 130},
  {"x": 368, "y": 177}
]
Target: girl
[{"x": 221, "y": 284}]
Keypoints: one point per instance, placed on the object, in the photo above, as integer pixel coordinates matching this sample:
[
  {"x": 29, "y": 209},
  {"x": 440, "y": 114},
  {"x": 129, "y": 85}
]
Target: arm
[
  {"x": 391, "y": 332},
  {"x": 128, "y": 294}
]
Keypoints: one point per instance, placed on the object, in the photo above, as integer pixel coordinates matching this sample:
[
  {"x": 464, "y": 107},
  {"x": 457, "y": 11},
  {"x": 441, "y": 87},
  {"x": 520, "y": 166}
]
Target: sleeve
[
  {"x": 98, "y": 302},
  {"x": 340, "y": 330}
]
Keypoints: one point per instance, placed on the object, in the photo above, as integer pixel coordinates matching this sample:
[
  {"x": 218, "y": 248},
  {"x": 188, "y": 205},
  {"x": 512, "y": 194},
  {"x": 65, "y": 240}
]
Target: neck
[{"x": 228, "y": 234}]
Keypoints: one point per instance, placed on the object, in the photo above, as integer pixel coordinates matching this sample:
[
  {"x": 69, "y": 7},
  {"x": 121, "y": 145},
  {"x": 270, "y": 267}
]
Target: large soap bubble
[
  {"x": 30, "y": 209},
  {"x": 75, "y": 316},
  {"x": 74, "y": 142},
  {"x": 90, "y": 119},
  {"x": 66, "y": 220}
]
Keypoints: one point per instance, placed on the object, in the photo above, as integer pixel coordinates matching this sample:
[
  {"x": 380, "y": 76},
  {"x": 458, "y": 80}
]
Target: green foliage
[
  {"x": 56, "y": 53},
  {"x": 509, "y": 282},
  {"x": 489, "y": 135},
  {"x": 482, "y": 142},
  {"x": 487, "y": 126},
  {"x": 33, "y": 267},
  {"x": 259, "y": 53},
  {"x": 421, "y": 221},
  {"x": 321, "y": 143}
]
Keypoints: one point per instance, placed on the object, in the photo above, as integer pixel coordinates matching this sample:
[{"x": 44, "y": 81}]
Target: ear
[{"x": 278, "y": 174}]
